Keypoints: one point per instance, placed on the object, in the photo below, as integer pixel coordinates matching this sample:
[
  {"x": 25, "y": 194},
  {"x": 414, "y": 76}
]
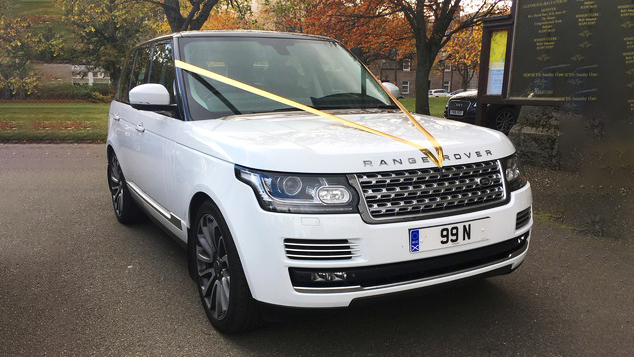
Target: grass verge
[
  {"x": 436, "y": 105},
  {"x": 28, "y": 8},
  {"x": 84, "y": 122},
  {"x": 47, "y": 14},
  {"x": 53, "y": 122}
]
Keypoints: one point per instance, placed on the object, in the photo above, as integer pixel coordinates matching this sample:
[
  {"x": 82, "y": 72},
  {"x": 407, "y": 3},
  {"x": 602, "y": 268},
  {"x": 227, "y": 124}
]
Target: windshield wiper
[
  {"x": 383, "y": 106},
  {"x": 344, "y": 95},
  {"x": 281, "y": 110},
  {"x": 334, "y": 107},
  {"x": 353, "y": 107},
  {"x": 349, "y": 101}
]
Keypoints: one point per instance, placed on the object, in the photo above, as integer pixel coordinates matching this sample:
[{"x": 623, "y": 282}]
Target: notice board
[{"x": 578, "y": 51}]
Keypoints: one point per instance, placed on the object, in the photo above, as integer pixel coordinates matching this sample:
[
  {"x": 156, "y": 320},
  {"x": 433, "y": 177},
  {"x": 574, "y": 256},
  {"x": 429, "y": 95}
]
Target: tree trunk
[
  {"x": 423, "y": 69},
  {"x": 115, "y": 73},
  {"x": 173, "y": 15}
]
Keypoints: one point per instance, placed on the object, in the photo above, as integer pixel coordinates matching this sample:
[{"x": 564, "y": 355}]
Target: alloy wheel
[
  {"x": 117, "y": 185},
  {"x": 504, "y": 121},
  {"x": 212, "y": 264}
]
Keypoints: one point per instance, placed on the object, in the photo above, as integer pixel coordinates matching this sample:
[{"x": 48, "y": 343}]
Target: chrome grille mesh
[
  {"x": 421, "y": 192},
  {"x": 458, "y": 104},
  {"x": 320, "y": 249}
]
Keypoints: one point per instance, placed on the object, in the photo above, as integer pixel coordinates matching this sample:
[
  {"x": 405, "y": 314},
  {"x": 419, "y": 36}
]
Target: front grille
[
  {"x": 458, "y": 105},
  {"x": 523, "y": 217},
  {"x": 415, "y": 193},
  {"x": 320, "y": 249}
]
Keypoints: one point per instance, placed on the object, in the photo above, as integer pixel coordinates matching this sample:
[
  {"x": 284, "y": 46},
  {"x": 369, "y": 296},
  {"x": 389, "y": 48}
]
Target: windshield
[{"x": 320, "y": 74}]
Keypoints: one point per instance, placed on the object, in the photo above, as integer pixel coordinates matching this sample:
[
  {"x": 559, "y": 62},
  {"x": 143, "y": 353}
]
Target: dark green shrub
[{"x": 69, "y": 91}]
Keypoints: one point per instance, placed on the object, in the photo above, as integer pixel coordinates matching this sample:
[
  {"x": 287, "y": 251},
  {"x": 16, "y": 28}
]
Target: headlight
[
  {"x": 300, "y": 193},
  {"x": 513, "y": 173}
]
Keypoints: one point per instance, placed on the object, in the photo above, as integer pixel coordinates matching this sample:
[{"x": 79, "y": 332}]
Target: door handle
[
  {"x": 139, "y": 128},
  {"x": 116, "y": 117}
]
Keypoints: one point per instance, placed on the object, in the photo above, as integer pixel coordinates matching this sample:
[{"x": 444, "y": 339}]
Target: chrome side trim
[
  {"x": 169, "y": 216},
  {"x": 346, "y": 289}
]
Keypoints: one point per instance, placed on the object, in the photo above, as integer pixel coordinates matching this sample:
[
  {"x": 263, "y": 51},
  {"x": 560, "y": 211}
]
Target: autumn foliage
[
  {"x": 463, "y": 53},
  {"x": 420, "y": 27},
  {"x": 373, "y": 36}
]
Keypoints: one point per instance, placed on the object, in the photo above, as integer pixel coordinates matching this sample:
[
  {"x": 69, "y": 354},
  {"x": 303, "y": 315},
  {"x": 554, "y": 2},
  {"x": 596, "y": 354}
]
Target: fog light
[
  {"x": 333, "y": 195},
  {"x": 334, "y": 276}
]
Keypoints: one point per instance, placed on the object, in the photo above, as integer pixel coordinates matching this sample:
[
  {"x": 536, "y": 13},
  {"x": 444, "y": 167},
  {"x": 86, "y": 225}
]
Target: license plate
[
  {"x": 456, "y": 112},
  {"x": 445, "y": 236}
]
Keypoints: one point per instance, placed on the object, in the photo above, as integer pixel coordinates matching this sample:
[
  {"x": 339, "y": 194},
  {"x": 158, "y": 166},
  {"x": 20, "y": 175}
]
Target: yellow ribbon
[{"x": 215, "y": 76}]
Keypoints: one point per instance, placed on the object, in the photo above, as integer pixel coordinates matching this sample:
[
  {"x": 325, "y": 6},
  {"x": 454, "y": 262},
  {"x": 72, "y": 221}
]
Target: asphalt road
[{"x": 75, "y": 282}]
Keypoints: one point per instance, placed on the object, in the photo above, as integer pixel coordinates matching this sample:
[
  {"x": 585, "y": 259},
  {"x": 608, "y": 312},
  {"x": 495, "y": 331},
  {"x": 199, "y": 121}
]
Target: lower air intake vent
[
  {"x": 320, "y": 249},
  {"x": 523, "y": 217}
]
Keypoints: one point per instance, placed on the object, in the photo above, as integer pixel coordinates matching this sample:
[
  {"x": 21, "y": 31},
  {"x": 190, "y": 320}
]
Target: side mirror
[{"x": 150, "y": 94}]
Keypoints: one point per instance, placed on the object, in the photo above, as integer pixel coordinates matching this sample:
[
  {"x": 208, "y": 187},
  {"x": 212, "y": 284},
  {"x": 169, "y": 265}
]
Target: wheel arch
[
  {"x": 194, "y": 204},
  {"x": 493, "y": 110},
  {"x": 109, "y": 151}
]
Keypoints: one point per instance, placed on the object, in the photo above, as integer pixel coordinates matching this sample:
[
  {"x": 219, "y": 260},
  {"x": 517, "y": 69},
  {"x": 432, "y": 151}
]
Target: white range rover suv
[{"x": 293, "y": 179}]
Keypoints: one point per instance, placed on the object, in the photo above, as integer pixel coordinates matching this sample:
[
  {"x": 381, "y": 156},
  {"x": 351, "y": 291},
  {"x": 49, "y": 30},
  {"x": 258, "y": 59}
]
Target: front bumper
[
  {"x": 381, "y": 276},
  {"x": 382, "y": 262}
]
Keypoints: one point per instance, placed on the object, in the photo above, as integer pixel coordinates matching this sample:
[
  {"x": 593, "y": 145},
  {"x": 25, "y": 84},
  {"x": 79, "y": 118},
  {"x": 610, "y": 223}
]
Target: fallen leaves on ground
[
  {"x": 61, "y": 125},
  {"x": 8, "y": 125}
]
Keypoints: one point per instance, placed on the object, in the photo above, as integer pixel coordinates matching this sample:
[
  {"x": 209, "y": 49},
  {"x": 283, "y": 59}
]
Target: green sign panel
[{"x": 579, "y": 51}]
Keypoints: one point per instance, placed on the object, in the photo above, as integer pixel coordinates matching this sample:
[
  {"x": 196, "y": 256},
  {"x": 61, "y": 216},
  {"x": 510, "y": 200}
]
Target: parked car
[
  {"x": 462, "y": 107},
  {"x": 457, "y": 91},
  {"x": 259, "y": 153},
  {"x": 438, "y": 93},
  {"x": 393, "y": 89}
]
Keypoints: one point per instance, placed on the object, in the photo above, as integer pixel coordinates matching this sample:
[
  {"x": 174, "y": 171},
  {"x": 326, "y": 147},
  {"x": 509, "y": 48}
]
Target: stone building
[{"x": 403, "y": 74}]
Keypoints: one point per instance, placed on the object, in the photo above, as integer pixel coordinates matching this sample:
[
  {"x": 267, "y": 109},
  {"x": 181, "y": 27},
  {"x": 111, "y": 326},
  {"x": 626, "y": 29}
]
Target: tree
[
  {"x": 224, "y": 16},
  {"x": 366, "y": 37},
  {"x": 193, "y": 14},
  {"x": 463, "y": 53},
  {"x": 432, "y": 23},
  {"x": 106, "y": 30},
  {"x": 285, "y": 15},
  {"x": 372, "y": 38},
  {"x": 18, "y": 45}
]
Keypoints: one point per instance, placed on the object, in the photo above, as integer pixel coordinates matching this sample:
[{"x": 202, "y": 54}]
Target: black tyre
[
  {"x": 504, "y": 119},
  {"x": 221, "y": 282},
  {"x": 125, "y": 209}
]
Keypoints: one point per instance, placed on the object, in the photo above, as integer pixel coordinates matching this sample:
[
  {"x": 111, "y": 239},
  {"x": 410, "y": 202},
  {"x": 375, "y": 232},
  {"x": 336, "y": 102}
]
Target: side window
[
  {"x": 162, "y": 68},
  {"x": 123, "y": 88},
  {"x": 141, "y": 63}
]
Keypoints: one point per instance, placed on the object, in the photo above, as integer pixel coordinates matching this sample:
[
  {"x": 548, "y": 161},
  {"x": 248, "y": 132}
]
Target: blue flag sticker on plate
[{"x": 414, "y": 242}]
